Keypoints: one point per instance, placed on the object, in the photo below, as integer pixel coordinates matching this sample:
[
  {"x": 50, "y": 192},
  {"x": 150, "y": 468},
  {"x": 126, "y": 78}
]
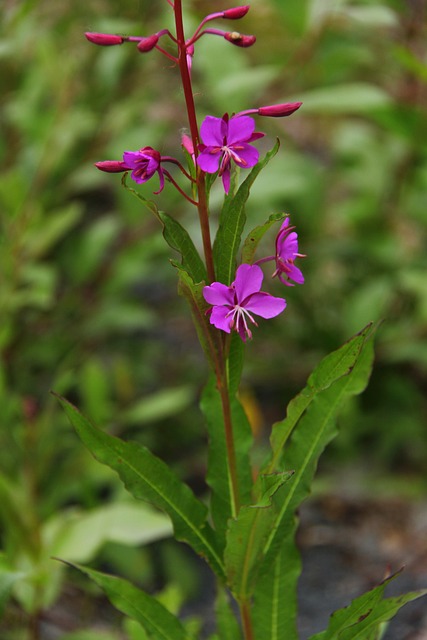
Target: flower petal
[
  {"x": 212, "y": 131},
  {"x": 220, "y": 318},
  {"x": 248, "y": 281},
  {"x": 248, "y": 154},
  {"x": 265, "y": 305},
  {"x": 287, "y": 246},
  {"x": 218, "y": 294},
  {"x": 226, "y": 178},
  {"x": 208, "y": 160},
  {"x": 240, "y": 129},
  {"x": 295, "y": 274}
]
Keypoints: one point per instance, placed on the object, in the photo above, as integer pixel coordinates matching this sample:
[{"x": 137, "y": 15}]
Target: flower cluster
[
  {"x": 222, "y": 144},
  {"x": 224, "y": 140}
]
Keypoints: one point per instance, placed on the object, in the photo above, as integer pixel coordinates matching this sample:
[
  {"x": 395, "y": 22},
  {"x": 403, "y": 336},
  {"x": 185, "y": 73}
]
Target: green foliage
[
  {"x": 218, "y": 475},
  {"x": 148, "y": 478},
  {"x": 145, "y": 609},
  {"x": 365, "y": 615}
]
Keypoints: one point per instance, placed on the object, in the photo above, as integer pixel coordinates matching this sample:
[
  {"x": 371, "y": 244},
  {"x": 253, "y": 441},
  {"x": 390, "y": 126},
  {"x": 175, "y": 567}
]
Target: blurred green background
[{"x": 88, "y": 303}]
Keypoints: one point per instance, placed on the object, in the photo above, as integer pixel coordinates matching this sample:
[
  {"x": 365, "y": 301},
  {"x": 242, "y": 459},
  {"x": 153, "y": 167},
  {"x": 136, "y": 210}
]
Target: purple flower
[
  {"x": 144, "y": 164},
  {"x": 225, "y": 139},
  {"x": 286, "y": 253},
  {"x": 233, "y": 306}
]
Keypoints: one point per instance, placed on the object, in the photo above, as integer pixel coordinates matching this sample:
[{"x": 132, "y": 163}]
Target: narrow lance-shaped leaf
[
  {"x": 275, "y": 606},
  {"x": 148, "y": 478},
  {"x": 234, "y": 362},
  {"x": 314, "y": 431},
  {"x": 176, "y": 236},
  {"x": 366, "y": 613},
  {"x": 246, "y": 537},
  {"x": 209, "y": 338},
  {"x": 228, "y": 627},
  {"x": 138, "y": 605},
  {"x": 218, "y": 475},
  {"x": 334, "y": 366},
  {"x": 232, "y": 222},
  {"x": 253, "y": 239}
]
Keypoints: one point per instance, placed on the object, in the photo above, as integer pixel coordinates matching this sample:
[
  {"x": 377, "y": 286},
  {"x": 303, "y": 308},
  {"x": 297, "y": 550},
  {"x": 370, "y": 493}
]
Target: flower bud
[
  {"x": 239, "y": 39},
  {"x": 104, "y": 39},
  {"x": 147, "y": 44},
  {"x": 112, "y": 166},
  {"x": 187, "y": 143},
  {"x": 236, "y": 12},
  {"x": 279, "y": 110}
]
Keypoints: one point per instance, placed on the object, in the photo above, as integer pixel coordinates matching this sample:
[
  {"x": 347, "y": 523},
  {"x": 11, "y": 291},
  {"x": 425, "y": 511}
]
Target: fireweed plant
[{"x": 245, "y": 528}]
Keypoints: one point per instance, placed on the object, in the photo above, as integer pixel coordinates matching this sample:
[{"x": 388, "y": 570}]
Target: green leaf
[
  {"x": 276, "y": 596},
  {"x": 148, "y": 478},
  {"x": 218, "y": 475},
  {"x": 77, "y": 537},
  {"x": 366, "y": 614},
  {"x": 232, "y": 222},
  {"x": 149, "y": 204},
  {"x": 255, "y": 236},
  {"x": 178, "y": 238},
  {"x": 209, "y": 337},
  {"x": 234, "y": 362},
  {"x": 228, "y": 627},
  {"x": 139, "y": 606},
  {"x": 247, "y": 535},
  {"x": 334, "y": 366},
  {"x": 157, "y": 406},
  {"x": 316, "y": 427}
]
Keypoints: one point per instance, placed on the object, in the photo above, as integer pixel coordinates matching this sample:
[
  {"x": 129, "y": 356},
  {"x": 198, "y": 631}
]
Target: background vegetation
[{"x": 88, "y": 303}]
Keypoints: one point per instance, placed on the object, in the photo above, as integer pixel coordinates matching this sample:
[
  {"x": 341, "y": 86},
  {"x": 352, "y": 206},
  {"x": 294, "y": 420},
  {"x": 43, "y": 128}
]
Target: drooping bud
[
  {"x": 239, "y": 39},
  {"x": 236, "y": 12},
  {"x": 104, "y": 39},
  {"x": 112, "y": 166},
  {"x": 279, "y": 110},
  {"x": 147, "y": 44}
]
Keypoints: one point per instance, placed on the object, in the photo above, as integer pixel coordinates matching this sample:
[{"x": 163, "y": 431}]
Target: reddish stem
[{"x": 194, "y": 130}]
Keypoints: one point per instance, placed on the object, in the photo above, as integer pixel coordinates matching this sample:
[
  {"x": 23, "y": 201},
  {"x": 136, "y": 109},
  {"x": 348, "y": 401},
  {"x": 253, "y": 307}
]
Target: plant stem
[
  {"x": 229, "y": 440},
  {"x": 202, "y": 206},
  {"x": 245, "y": 614},
  {"x": 192, "y": 120}
]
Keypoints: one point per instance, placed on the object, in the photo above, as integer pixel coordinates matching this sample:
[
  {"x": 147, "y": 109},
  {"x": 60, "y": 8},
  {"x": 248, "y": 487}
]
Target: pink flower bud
[
  {"x": 239, "y": 39},
  {"x": 279, "y": 110},
  {"x": 187, "y": 143},
  {"x": 112, "y": 166},
  {"x": 236, "y": 12},
  {"x": 147, "y": 44},
  {"x": 104, "y": 39}
]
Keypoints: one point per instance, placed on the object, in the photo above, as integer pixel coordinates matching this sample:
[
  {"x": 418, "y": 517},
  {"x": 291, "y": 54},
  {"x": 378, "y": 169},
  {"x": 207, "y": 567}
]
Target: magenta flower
[
  {"x": 233, "y": 306},
  {"x": 225, "y": 139},
  {"x": 144, "y": 164},
  {"x": 286, "y": 253}
]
